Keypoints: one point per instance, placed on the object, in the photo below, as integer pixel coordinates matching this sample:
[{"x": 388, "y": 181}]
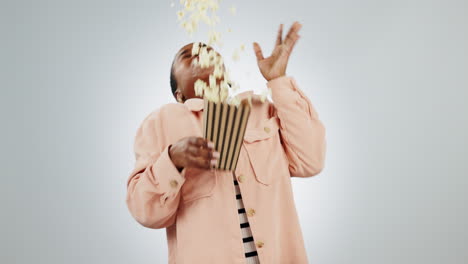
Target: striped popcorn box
[{"x": 224, "y": 124}]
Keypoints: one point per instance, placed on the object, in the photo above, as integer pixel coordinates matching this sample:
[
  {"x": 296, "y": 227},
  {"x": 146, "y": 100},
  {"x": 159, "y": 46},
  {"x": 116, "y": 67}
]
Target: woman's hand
[
  {"x": 193, "y": 152},
  {"x": 275, "y": 65}
]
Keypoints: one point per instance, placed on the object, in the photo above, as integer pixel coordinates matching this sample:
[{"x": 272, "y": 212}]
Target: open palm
[{"x": 275, "y": 65}]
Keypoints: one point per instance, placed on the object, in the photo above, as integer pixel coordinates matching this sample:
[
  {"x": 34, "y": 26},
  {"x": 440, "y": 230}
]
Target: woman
[{"x": 217, "y": 216}]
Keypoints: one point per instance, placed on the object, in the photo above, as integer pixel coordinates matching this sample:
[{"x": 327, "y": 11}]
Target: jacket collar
[{"x": 197, "y": 104}]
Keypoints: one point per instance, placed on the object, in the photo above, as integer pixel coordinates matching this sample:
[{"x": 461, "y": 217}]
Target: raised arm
[{"x": 302, "y": 133}]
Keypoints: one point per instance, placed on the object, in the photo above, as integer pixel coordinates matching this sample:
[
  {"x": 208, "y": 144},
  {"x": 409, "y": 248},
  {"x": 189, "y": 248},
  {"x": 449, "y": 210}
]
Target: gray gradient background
[{"x": 389, "y": 80}]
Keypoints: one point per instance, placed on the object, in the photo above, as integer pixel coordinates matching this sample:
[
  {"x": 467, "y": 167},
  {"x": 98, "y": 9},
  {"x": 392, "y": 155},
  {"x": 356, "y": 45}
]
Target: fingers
[
  {"x": 292, "y": 34},
  {"x": 292, "y": 37},
  {"x": 206, "y": 153},
  {"x": 199, "y": 162},
  {"x": 201, "y": 142},
  {"x": 290, "y": 47},
  {"x": 203, "y": 162},
  {"x": 258, "y": 51},
  {"x": 201, "y": 153},
  {"x": 280, "y": 35}
]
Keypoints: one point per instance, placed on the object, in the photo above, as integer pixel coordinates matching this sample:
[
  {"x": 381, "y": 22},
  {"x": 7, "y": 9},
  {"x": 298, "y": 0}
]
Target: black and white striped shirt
[{"x": 249, "y": 245}]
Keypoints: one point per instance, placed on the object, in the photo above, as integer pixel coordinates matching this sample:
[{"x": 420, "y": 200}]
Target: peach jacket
[{"x": 198, "y": 208}]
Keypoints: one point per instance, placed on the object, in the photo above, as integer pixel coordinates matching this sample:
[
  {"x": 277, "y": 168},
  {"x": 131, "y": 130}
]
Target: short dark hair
[{"x": 173, "y": 80}]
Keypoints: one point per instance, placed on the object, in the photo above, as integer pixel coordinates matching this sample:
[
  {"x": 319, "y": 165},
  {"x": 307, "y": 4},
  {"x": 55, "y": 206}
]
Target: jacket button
[
  {"x": 251, "y": 212},
  {"x": 260, "y": 244},
  {"x": 267, "y": 129},
  {"x": 241, "y": 178},
  {"x": 174, "y": 183}
]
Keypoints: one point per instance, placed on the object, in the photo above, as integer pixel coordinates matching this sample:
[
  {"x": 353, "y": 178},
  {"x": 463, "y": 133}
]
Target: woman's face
[{"x": 187, "y": 74}]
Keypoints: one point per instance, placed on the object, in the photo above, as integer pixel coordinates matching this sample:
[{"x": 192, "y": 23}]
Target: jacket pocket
[
  {"x": 199, "y": 183},
  {"x": 262, "y": 144}
]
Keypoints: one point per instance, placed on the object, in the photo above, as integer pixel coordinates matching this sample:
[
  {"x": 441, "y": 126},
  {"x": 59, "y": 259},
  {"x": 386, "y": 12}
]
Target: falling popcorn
[
  {"x": 224, "y": 93},
  {"x": 249, "y": 99},
  {"x": 213, "y": 5},
  {"x": 235, "y": 55},
  {"x": 180, "y": 15},
  {"x": 202, "y": 7},
  {"x": 190, "y": 27},
  {"x": 218, "y": 71},
  {"x": 200, "y": 87},
  {"x": 235, "y": 87},
  {"x": 188, "y": 5},
  {"x": 216, "y": 90},
  {"x": 194, "y": 13},
  {"x": 233, "y": 10},
  {"x": 203, "y": 58},
  {"x": 195, "y": 48},
  {"x": 263, "y": 96},
  {"x": 235, "y": 101},
  {"x": 213, "y": 37}
]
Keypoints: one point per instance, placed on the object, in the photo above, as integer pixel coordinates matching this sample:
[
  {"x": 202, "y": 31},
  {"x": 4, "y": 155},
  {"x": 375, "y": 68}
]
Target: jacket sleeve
[
  {"x": 302, "y": 133},
  {"x": 153, "y": 187}
]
